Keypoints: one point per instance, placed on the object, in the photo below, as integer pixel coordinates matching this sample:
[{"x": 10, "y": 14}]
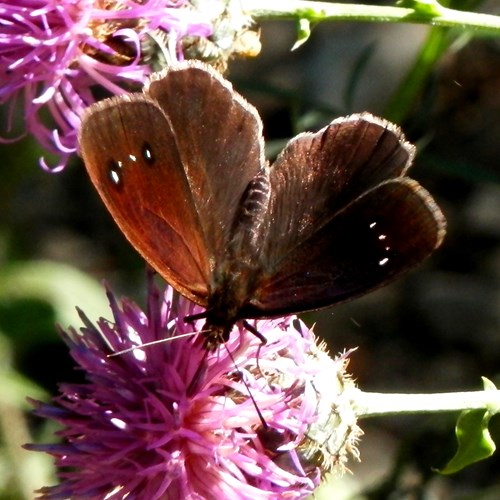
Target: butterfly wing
[
  {"x": 220, "y": 143},
  {"x": 343, "y": 219},
  {"x": 140, "y": 178},
  {"x": 171, "y": 166}
]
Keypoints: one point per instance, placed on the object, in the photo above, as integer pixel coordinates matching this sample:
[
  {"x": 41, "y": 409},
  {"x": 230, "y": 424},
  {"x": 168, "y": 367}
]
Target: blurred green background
[{"x": 438, "y": 329}]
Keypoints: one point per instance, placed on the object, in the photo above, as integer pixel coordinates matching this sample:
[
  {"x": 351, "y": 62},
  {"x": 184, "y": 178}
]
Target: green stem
[
  {"x": 436, "y": 15},
  {"x": 370, "y": 404}
]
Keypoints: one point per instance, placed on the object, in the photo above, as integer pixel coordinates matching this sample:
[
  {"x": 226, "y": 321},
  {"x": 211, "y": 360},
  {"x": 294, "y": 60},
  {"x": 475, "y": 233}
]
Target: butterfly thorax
[
  {"x": 236, "y": 278},
  {"x": 234, "y": 285}
]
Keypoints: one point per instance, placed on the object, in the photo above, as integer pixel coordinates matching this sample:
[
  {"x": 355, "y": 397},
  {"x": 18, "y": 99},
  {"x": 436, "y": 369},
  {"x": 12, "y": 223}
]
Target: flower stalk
[
  {"x": 419, "y": 12},
  {"x": 375, "y": 404}
]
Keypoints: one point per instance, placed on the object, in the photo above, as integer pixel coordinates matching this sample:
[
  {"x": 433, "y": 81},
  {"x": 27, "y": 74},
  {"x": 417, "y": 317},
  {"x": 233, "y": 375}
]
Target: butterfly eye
[
  {"x": 147, "y": 153},
  {"x": 115, "y": 172}
]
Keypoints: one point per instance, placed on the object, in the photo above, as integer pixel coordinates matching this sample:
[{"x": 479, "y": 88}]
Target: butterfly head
[
  {"x": 219, "y": 322},
  {"x": 215, "y": 335}
]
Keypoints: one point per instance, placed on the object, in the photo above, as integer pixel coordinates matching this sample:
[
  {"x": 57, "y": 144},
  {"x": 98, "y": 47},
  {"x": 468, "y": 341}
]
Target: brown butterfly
[{"x": 181, "y": 168}]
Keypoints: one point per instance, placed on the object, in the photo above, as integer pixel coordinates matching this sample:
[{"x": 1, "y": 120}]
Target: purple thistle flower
[
  {"x": 53, "y": 52},
  {"x": 172, "y": 420}
]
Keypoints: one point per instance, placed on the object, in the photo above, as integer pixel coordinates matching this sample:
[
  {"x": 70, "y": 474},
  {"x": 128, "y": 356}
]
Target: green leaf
[
  {"x": 474, "y": 439},
  {"x": 303, "y": 32}
]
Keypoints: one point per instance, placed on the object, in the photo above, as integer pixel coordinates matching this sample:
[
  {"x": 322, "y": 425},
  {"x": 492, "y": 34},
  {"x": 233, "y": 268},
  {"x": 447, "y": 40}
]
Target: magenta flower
[
  {"x": 172, "y": 420},
  {"x": 52, "y": 54}
]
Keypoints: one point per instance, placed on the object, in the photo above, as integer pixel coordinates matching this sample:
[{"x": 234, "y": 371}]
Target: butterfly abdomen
[
  {"x": 236, "y": 278},
  {"x": 248, "y": 227}
]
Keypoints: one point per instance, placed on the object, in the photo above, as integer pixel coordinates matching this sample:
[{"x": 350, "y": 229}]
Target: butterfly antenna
[
  {"x": 153, "y": 342},
  {"x": 259, "y": 413}
]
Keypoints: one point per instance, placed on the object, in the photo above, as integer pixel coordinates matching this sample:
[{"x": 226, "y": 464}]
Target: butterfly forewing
[
  {"x": 319, "y": 174},
  {"x": 141, "y": 179}
]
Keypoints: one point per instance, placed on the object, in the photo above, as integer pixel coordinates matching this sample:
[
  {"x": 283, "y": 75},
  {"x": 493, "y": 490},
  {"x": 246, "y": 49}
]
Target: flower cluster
[
  {"x": 53, "y": 54},
  {"x": 173, "y": 420}
]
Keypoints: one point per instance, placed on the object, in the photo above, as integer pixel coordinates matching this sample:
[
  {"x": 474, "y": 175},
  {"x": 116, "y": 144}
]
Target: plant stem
[
  {"x": 370, "y": 404},
  {"x": 484, "y": 24}
]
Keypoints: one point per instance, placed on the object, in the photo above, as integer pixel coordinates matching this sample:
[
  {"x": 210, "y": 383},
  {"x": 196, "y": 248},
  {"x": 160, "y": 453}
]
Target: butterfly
[{"x": 181, "y": 169}]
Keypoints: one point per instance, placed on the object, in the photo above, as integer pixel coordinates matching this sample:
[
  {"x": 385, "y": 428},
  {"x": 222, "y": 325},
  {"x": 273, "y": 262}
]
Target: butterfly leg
[{"x": 256, "y": 332}]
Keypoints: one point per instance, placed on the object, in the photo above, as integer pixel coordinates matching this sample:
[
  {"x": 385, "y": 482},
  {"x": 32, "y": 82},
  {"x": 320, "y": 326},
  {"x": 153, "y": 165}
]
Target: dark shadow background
[{"x": 438, "y": 329}]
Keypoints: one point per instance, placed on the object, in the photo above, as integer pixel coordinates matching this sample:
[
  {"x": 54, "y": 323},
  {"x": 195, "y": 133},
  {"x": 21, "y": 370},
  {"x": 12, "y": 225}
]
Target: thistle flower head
[
  {"x": 172, "y": 420},
  {"x": 54, "y": 54}
]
